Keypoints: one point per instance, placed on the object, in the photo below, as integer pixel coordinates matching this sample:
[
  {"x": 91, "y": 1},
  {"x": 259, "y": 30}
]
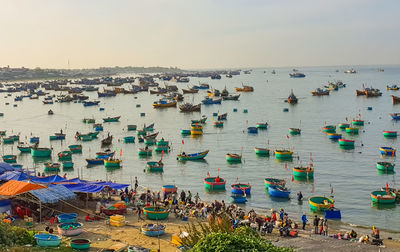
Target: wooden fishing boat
[
  {"x": 161, "y": 148},
  {"x": 145, "y": 152},
  {"x": 209, "y": 101},
  {"x": 185, "y": 132},
  {"x": 222, "y": 117},
  {"x": 320, "y": 92},
  {"x": 241, "y": 189},
  {"x": 343, "y": 125},
  {"x": 245, "y": 89},
  {"x": 57, "y": 136},
  {"x": 219, "y": 124},
  {"x": 358, "y": 122},
  {"x": 40, "y": 152},
  {"x": 52, "y": 166},
  {"x": 396, "y": 99},
  {"x": 141, "y": 132},
  {"x": 150, "y": 141},
  {"x": 24, "y": 149},
  {"x": 273, "y": 182},
  {"x": 85, "y": 137},
  {"x": 129, "y": 139},
  {"x": 162, "y": 142},
  {"x": 352, "y": 130},
  {"x": 91, "y": 103},
  {"x": 75, "y": 148},
  {"x": 294, "y": 131},
  {"x": 107, "y": 141},
  {"x": 334, "y": 136},
  {"x": 196, "y": 129},
  {"x": 383, "y": 197},
  {"x": 262, "y": 125},
  {"x": 112, "y": 163},
  {"x": 64, "y": 155},
  {"x": 237, "y": 199},
  {"x": 393, "y": 87},
  {"x": 93, "y": 134},
  {"x": 320, "y": 203},
  {"x": 154, "y": 166},
  {"x": 153, "y": 213},
  {"x": 112, "y": 119},
  {"x": 98, "y": 127},
  {"x": 346, "y": 142},
  {"x": 252, "y": 130},
  {"x": 68, "y": 165},
  {"x": 278, "y": 191},
  {"x": 169, "y": 188},
  {"x": 105, "y": 155},
  {"x": 190, "y": 91},
  {"x": 360, "y": 92},
  {"x": 304, "y": 172},
  {"x": 194, "y": 156},
  {"x": 283, "y": 154},
  {"x": 214, "y": 183},
  {"x": 131, "y": 127},
  {"x": 10, "y": 158},
  {"x": 188, "y": 107},
  {"x": 395, "y": 116},
  {"x": 153, "y": 230},
  {"x": 162, "y": 103},
  {"x": 330, "y": 129},
  {"x": 95, "y": 161},
  {"x": 261, "y": 151},
  {"x": 233, "y": 158},
  {"x": 385, "y": 166},
  {"x": 292, "y": 99},
  {"x": 8, "y": 140},
  {"x": 231, "y": 97},
  {"x": 2, "y": 133},
  {"x": 89, "y": 120},
  {"x": 152, "y": 136},
  {"x": 387, "y": 151},
  {"x": 202, "y": 120},
  {"x": 387, "y": 133},
  {"x": 373, "y": 93}
]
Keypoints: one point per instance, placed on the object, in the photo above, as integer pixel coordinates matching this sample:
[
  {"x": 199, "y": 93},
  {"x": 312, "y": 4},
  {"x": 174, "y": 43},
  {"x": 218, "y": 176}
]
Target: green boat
[
  {"x": 15, "y": 137},
  {"x": 88, "y": 120},
  {"x": 185, "y": 132},
  {"x": 294, "y": 131},
  {"x": 274, "y": 182},
  {"x": 343, "y": 126},
  {"x": 10, "y": 159},
  {"x": 283, "y": 154},
  {"x": 387, "y": 133},
  {"x": 64, "y": 155},
  {"x": 385, "y": 166},
  {"x": 320, "y": 203},
  {"x": 346, "y": 143},
  {"x": 303, "y": 172},
  {"x": 153, "y": 166},
  {"x": 156, "y": 214},
  {"x": 330, "y": 129},
  {"x": 233, "y": 158},
  {"x": 24, "y": 149},
  {"x": 145, "y": 152},
  {"x": 2, "y": 133},
  {"x": 202, "y": 120},
  {"x": 162, "y": 142},
  {"x": 358, "y": 122},
  {"x": 352, "y": 130},
  {"x": 261, "y": 151},
  {"x": 141, "y": 132},
  {"x": 112, "y": 119},
  {"x": 75, "y": 148},
  {"x": 262, "y": 125},
  {"x": 195, "y": 156},
  {"x": 129, "y": 139},
  {"x": 161, "y": 148},
  {"x": 131, "y": 127},
  {"x": 40, "y": 152},
  {"x": 383, "y": 197},
  {"x": 150, "y": 141},
  {"x": 112, "y": 163},
  {"x": 68, "y": 165},
  {"x": 8, "y": 140},
  {"x": 214, "y": 184},
  {"x": 93, "y": 134}
]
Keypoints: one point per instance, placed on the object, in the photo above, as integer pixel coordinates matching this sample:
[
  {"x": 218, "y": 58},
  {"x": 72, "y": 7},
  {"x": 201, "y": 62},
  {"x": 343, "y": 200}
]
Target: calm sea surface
[{"x": 351, "y": 173}]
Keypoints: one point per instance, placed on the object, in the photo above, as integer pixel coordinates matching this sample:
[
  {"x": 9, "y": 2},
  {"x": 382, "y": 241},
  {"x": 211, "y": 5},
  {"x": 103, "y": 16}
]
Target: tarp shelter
[
  {"x": 84, "y": 188},
  {"x": 49, "y": 179},
  {"x": 5, "y": 167},
  {"x": 14, "y": 187},
  {"x": 53, "y": 194},
  {"x": 14, "y": 175},
  {"x": 110, "y": 184}
]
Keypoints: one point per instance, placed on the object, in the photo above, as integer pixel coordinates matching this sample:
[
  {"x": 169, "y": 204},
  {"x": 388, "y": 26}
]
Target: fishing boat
[
  {"x": 346, "y": 142},
  {"x": 320, "y": 92},
  {"x": 162, "y": 142},
  {"x": 84, "y": 137},
  {"x": 252, "y": 130},
  {"x": 145, "y": 152},
  {"x": 40, "y": 152},
  {"x": 24, "y": 149},
  {"x": 385, "y": 166},
  {"x": 88, "y": 120},
  {"x": 279, "y": 191},
  {"x": 129, "y": 139},
  {"x": 154, "y": 166},
  {"x": 196, "y": 129},
  {"x": 162, "y": 148},
  {"x": 261, "y": 151},
  {"x": 330, "y": 129},
  {"x": 238, "y": 199},
  {"x": 393, "y": 87},
  {"x": 383, "y": 197},
  {"x": 10, "y": 158},
  {"x": 262, "y": 125},
  {"x": 202, "y": 120},
  {"x": 163, "y": 103},
  {"x": 343, "y": 126},
  {"x": 169, "y": 188},
  {"x": 387, "y": 133},
  {"x": 350, "y": 71},
  {"x": 188, "y": 107},
  {"x": 50, "y": 112},
  {"x": 294, "y": 131},
  {"x": 107, "y": 141},
  {"x": 240, "y": 189},
  {"x": 153, "y": 230},
  {"x": 149, "y": 127},
  {"x": 64, "y": 155},
  {"x": 209, "y": 101},
  {"x": 334, "y": 136},
  {"x": 112, "y": 163},
  {"x": 57, "y": 136},
  {"x": 320, "y": 203},
  {"x": 112, "y": 119},
  {"x": 91, "y": 103},
  {"x": 8, "y": 140},
  {"x": 233, "y": 158},
  {"x": 2, "y": 133},
  {"x": 245, "y": 89},
  {"x": 304, "y": 172},
  {"x": 195, "y": 156},
  {"x": 131, "y": 127},
  {"x": 95, "y": 161},
  {"x": 75, "y": 148},
  {"x": 153, "y": 213},
  {"x": 297, "y": 75},
  {"x": 34, "y": 139},
  {"x": 214, "y": 183},
  {"x": 202, "y": 86},
  {"x": 358, "y": 122},
  {"x": 373, "y": 93},
  {"x": 352, "y": 130},
  {"x": 292, "y": 99},
  {"x": 395, "y": 116},
  {"x": 152, "y": 136},
  {"x": 219, "y": 124},
  {"x": 273, "y": 182},
  {"x": 105, "y": 155},
  {"x": 185, "y": 132},
  {"x": 396, "y": 99},
  {"x": 231, "y": 97},
  {"x": 52, "y": 166},
  {"x": 150, "y": 141},
  {"x": 68, "y": 165},
  {"x": 222, "y": 117},
  {"x": 387, "y": 151},
  {"x": 283, "y": 154},
  {"x": 141, "y": 132},
  {"x": 47, "y": 240},
  {"x": 98, "y": 127},
  {"x": 190, "y": 91}
]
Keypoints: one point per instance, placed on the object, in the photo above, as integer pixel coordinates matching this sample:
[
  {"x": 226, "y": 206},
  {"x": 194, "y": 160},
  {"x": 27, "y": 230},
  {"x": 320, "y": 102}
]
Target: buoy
[
  {"x": 235, "y": 110},
  {"x": 101, "y": 109},
  {"x": 245, "y": 111},
  {"x": 285, "y": 110},
  {"x": 137, "y": 105},
  {"x": 142, "y": 114},
  {"x": 369, "y": 108}
]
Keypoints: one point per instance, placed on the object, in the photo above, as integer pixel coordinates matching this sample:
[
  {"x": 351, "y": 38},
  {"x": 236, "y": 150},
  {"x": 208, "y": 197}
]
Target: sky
[{"x": 198, "y": 34}]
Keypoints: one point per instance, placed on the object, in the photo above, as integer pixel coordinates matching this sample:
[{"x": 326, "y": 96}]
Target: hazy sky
[{"x": 198, "y": 34}]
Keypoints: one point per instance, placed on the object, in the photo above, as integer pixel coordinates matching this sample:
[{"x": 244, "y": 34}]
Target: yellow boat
[
  {"x": 164, "y": 104},
  {"x": 112, "y": 163},
  {"x": 196, "y": 129},
  {"x": 245, "y": 89}
]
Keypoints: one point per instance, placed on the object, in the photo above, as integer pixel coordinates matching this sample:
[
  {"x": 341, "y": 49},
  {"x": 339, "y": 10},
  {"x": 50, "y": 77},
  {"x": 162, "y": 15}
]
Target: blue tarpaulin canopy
[
  {"x": 49, "y": 179},
  {"x": 53, "y": 194},
  {"x": 15, "y": 175},
  {"x": 5, "y": 167},
  {"x": 84, "y": 187},
  {"x": 112, "y": 185}
]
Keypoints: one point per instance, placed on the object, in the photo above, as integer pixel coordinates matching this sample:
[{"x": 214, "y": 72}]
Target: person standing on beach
[
  {"x": 281, "y": 213},
  {"x": 196, "y": 198},
  {"x": 189, "y": 197},
  {"x": 139, "y": 212},
  {"x": 183, "y": 196},
  {"x": 321, "y": 229},
  {"x": 316, "y": 221},
  {"x": 136, "y": 183},
  {"x": 325, "y": 227},
  {"x": 304, "y": 220}
]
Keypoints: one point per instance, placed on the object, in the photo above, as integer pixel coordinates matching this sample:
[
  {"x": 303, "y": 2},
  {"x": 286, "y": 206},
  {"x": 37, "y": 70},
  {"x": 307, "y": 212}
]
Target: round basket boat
[
  {"x": 283, "y": 154},
  {"x": 385, "y": 166},
  {"x": 80, "y": 244},
  {"x": 214, "y": 184},
  {"x": 153, "y": 230},
  {"x": 320, "y": 203},
  {"x": 155, "y": 214},
  {"x": 261, "y": 151},
  {"x": 358, "y": 122},
  {"x": 383, "y": 197},
  {"x": 294, "y": 131},
  {"x": 343, "y": 126},
  {"x": 48, "y": 240},
  {"x": 169, "y": 188},
  {"x": 241, "y": 189},
  {"x": 330, "y": 129},
  {"x": 387, "y": 133},
  {"x": 67, "y": 218},
  {"x": 70, "y": 229}
]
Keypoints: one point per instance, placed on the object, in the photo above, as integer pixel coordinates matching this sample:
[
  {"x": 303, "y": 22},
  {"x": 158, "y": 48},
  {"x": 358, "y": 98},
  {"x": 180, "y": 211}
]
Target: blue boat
[
  {"x": 48, "y": 240},
  {"x": 67, "y": 218},
  {"x": 334, "y": 136},
  {"x": 34, "y": 139},
  {"x": 107, "y": 94},
  {"x": 252, "y": 130},
  {"x": 333, "y": 214},
  {"x": 238, "y": 199},
  {"x": 278, "y": 191},
  {"x": 95, "y": 161},
  {"x": 209, "y": 101},
  {"x": 98, "y": 128},
  {"x": 395, "y": 116},
  {"x": 240, "y": 189},
  {"x": 297, "y": 75},
  {"x": 387, "y": 151},
  {"x": 153, "y": 230},
  {"x": 91, "y": 103}
]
